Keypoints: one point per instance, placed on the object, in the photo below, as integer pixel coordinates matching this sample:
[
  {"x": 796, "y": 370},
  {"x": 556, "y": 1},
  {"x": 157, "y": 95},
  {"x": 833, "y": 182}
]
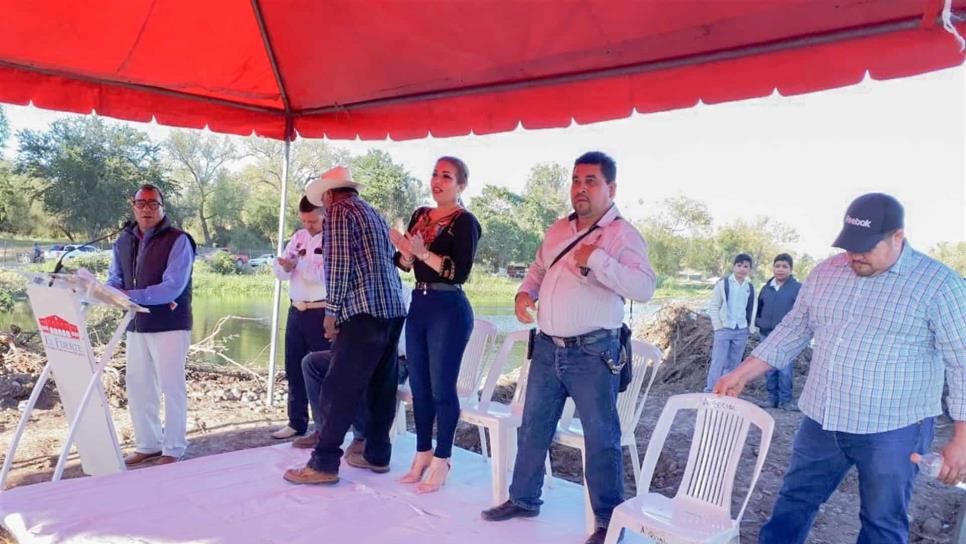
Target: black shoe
[
  {"x": 508, "y": 510},
  {"x": 598, "y": 537}
]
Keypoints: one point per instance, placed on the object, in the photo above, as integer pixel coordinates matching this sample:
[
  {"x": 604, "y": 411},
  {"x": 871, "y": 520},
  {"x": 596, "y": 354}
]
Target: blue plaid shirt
[
  {"x": 360, "y": 276},
  {"x": 882, "y": 343}
]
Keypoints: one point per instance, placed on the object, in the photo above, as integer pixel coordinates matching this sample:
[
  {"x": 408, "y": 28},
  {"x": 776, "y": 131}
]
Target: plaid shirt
[
  {"x": 360, "y": 277},
  {"x": 882, "y": 343}
]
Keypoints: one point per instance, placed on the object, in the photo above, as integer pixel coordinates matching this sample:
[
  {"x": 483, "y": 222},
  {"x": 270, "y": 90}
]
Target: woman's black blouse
[{"x": 455, "y": 243}]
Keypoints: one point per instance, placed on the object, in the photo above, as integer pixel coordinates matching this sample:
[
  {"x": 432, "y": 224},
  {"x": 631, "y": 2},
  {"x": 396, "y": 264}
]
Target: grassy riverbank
[{"x": 483, "y": 290}]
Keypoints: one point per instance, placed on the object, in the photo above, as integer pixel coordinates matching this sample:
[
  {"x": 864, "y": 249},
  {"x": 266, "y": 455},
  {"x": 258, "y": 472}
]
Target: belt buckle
[{"x": 558, "y": 341}]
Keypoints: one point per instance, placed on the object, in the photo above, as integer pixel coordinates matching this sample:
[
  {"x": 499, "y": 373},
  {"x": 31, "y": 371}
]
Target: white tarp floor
[{"x": 240, "y": 497}]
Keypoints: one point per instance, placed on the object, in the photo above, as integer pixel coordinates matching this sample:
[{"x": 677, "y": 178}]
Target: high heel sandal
[
  {"x": 436, "y": 477},
  {"x": 421, "y": 462}
]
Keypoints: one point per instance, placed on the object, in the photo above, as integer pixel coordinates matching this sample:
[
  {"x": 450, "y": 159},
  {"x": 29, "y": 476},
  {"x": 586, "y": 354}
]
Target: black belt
[
  {"x": 437, "y": 286},
  {"x": 584, "y": 339}
]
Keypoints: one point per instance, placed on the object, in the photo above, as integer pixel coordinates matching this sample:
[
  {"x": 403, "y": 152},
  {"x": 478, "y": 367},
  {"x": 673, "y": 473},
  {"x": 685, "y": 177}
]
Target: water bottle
[{"x": 931, "y": 463}]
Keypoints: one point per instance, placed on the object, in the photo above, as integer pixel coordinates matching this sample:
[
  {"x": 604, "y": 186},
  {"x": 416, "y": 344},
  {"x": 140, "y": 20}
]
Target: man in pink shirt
[{"x": 589, "y": 263}]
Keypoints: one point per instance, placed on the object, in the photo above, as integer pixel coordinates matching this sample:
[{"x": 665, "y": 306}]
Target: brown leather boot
[
  {"x": 138, "y": 458},
  {"x": 308, "y": 475},
  {"x": 306, "y": 442}
]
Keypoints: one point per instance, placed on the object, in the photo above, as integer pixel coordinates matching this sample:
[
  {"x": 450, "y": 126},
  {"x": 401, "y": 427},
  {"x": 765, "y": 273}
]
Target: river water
[{"x": 246, "y": 341}]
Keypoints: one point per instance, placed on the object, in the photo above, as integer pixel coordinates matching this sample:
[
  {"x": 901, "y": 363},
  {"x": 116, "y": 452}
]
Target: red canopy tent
[{"x": 410, "y": 68}]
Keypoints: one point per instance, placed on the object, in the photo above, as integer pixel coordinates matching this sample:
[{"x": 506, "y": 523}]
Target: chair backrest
[
  {"x": 630, "y": 403},
  {"x": 499, "y": 363},
  {"x": 474, "y": 359},
  {"x": 720, "y": 431}
]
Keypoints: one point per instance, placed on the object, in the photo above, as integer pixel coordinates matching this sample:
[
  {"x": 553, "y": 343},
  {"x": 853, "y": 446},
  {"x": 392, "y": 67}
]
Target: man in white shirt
[
  {"x": 301, "y": 264},
  {"x": 581, "y": 288}
]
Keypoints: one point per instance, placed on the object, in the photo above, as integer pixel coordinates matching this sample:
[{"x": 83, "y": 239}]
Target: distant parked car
[
  {"x": 74, "y": 251},
  {"x": 54, "y": 251},
  {"x": 516, "y": 271},
  {"x": 262, "y": 260},
  {"x": 239, "y": 258}
]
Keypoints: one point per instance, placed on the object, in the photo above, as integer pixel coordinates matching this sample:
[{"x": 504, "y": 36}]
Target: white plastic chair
[
  {"x": 501, "y": 420},
  {"x": 700, "y": 511},
  {"x": 630, "y": 408},
  {"x": 468, "y": 382}
]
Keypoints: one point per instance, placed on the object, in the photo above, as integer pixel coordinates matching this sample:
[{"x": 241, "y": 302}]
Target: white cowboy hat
[{"x": 334, "y": 178}]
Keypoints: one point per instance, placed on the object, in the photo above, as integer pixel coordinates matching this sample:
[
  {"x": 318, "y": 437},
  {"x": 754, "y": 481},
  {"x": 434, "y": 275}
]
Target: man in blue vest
[{"x": 152, "y": 263}]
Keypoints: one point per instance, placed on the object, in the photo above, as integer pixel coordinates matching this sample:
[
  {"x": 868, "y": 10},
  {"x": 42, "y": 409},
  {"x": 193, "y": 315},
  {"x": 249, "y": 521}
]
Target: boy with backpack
[{"x": 731, "y": 309}]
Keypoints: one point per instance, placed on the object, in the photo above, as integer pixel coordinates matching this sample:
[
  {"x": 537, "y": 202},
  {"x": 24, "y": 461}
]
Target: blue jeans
[
  {"x": 820, "y": 459},
  {"x": 437, "y": 330},
  {"x": 726, "y": 353},
  {"x": 315, "y": 366},
  {"x": 303, "y": 335},
  {"x": 779, "y": 382},
  {"x": 582, "y": 374}
]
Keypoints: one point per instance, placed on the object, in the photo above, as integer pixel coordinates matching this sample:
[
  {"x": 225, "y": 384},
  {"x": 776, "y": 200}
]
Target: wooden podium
[{"x": 60, "y": 303}]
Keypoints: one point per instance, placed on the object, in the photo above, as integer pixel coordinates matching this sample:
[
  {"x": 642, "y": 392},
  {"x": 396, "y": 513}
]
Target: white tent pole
[{"x": 282, "y": 202}]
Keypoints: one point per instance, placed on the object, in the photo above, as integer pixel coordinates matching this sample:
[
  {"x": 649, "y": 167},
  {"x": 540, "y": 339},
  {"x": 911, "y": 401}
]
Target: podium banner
[{"x": 63, "y": 330}]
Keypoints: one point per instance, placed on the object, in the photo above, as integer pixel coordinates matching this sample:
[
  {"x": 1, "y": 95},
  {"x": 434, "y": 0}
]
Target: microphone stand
[{"x": 60, "y": 261}]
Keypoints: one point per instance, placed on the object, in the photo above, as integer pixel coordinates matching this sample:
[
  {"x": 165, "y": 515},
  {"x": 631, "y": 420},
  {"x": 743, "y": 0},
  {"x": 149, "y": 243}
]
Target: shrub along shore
[{"x": 483, "y": 290}]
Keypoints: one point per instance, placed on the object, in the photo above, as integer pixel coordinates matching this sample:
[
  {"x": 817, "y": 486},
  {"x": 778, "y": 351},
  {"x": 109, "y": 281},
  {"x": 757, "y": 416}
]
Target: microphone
[{"x": 60, "y": 263}]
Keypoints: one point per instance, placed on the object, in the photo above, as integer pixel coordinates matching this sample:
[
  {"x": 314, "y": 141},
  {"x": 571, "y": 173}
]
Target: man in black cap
[{"x": 889, "y": 325}]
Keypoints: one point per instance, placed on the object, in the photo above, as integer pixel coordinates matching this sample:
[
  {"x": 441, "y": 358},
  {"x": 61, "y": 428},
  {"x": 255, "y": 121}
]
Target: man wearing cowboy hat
[{"x": 364, "y": 315}]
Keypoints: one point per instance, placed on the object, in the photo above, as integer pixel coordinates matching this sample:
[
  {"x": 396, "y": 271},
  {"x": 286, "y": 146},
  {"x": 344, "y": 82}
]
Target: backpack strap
[{"x": 750, "y": 306}]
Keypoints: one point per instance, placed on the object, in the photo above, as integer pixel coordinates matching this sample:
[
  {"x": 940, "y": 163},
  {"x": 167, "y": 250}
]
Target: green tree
[
  {"x": 762, "y": 239},
  {"x": 679, "y": 235},
  {"x": 388, "y": 186},
  {"x": 4, "y": 130},
  {"x": 505, "y": 240},
  {"x": 546, "y": 196},
  {"x": 16, "y": 200},
  {"x": 88, "y": 168},
  {"x": 307, "y": 160},
  {"x": 260, "y": 213},
  {"x": 198, "y": 161},
  {"x": 263, "y": 178},
  {"x": 952, "y": 254}
]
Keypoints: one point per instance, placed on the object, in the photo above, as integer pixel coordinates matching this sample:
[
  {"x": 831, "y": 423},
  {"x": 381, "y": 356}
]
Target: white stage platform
[{"x": 240, "y": 497}]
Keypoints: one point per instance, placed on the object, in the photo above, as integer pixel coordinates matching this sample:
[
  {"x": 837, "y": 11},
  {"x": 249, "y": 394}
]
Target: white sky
[{"x": 797, "y": 159}]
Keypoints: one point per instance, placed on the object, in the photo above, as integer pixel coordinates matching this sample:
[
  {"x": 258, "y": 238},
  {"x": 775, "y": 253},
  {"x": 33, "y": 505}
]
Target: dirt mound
[{"x": 685, "y": 337}]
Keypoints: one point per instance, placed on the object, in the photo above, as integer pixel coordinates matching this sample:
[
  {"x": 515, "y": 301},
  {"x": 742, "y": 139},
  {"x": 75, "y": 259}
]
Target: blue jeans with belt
[
  {"x": 303, "y": 335},
  {"x": 582, "y": 374},
  {"x": 437, "y": 330},
  {"x": 820, "y": 460}
]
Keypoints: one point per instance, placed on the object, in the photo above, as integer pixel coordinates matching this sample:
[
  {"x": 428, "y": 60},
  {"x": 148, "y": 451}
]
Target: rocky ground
[{"x": 227, "y": 412}]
